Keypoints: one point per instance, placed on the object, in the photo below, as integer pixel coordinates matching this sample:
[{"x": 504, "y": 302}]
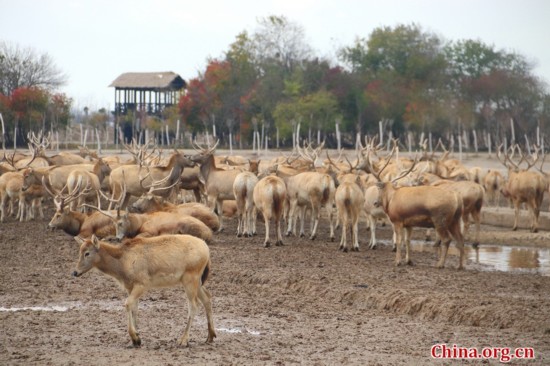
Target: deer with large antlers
[
  {"x": 153, "y": 224},
  {"x": 77, "y": 223},
  {"x": 422, "y": 206},
  {"x": 11, "y": 184},
  {"x": 57, "y": 176},
  {"x": 82, "y": 179},
  {"x": 149, "y": 203},
  {"x": 218, "y": 182},
  {"x": 523, "y": 186},
  {"x": 139, "y": 179}
]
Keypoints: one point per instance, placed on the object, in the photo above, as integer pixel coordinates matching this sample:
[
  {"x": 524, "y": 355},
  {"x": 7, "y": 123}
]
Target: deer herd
[{"x": 151, "y": 234}]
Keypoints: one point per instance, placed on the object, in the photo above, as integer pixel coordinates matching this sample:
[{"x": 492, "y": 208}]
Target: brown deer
[
  {"x": 314, "y": 189},
  {"x": 422, "y": 206},
  {"x": 137, "y": 179},
  {"x": 269, "y": 199},
  {"x": 243, "y": 189},
  {"x": 142, "y": 264},
  {"x": 218, "y": 182},
  {"x": 155, "y": 223},
  {"x": 149, "y": 203},
  {"x": 472, "y": 195},
  {"x": 523, "y": 186},
  {"x": 349, "y": 200}
]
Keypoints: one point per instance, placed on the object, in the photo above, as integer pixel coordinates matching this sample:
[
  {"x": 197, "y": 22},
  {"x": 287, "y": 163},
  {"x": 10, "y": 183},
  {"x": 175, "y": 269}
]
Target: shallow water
[{"x": 499, "y": 258}]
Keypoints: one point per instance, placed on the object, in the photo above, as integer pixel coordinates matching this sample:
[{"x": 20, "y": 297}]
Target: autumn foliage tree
[{"x": 410, "y": 78}]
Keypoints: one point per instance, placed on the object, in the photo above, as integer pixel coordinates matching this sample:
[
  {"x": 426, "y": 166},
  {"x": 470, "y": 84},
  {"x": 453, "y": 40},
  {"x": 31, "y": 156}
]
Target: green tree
[{"x": 496, "y": 86}]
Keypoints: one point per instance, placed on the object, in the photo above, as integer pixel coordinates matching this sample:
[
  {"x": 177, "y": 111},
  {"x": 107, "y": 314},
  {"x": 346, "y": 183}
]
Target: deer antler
[
  {"x": 155, "y": 185},
  {"x": 60, "y": 199},
  {"x": 404, "y": 174}
]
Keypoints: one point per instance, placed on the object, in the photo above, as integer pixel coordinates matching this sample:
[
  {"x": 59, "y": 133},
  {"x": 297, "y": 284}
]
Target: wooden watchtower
[
  {"x": 150, "y": 92},
  {"x": 143, "y": 93}
]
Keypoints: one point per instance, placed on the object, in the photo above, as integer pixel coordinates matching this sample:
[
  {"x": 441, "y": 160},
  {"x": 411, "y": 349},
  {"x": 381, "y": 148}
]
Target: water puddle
[
  {"x": 56, "y": 308},
  {"x": 238, "y": 331},
  {"x": 499, "y": 258}
]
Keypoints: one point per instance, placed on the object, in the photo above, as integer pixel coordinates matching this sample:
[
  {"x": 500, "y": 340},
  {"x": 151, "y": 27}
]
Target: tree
[
  {"x": 496, "y": 85},
  {"x": 281, "y": 41},
  {"x": 23, "y": 67},
  {"x": 59, "y": 111},
  {"x": 393, "y": 68}
]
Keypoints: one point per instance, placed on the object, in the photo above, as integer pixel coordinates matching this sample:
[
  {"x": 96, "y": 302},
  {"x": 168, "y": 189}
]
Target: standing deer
[
  {"x": 269, "y": 198},
  {"x": 218, "y": 182},
  {"x": 349, "y": 200},
  {"x": 310, "y": 189},
  {"x": 142, "y": 264},
  {"x": 422, "y": 206},
  {"x": 135, "y": 178},
  {"x": 523, "y": 186},
  {"x": 243, "y": 189}
]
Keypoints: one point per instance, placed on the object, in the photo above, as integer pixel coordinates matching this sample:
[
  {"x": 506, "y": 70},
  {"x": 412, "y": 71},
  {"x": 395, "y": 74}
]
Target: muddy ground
[{"x": 303, "y": 303}]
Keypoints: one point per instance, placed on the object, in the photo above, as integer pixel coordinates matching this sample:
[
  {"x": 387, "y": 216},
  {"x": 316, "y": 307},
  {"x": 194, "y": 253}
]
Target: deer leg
[
  {"x": 41, "y": 208},
  {"x": 291, "y": 213},
  {"x": 21, "y": 211},
  {"x": 239, "y": 223},
  {"x": 206, "y": 299},
  {"x": 219, "y": 208},
  {"x": 516, "y": 215},
  {"x": 355, "y": 232},
  {"x": 534, "y": 216},
  {"x": 443, "y": 256},
  {"x": 132, "y": 310},
  {"x": 477, "y": 219},
  {"x": 330, "y": 219},
  {"x": 315, "y": 215},
  {"x": 408, "y": 231},
  {"x": 2, "y": 207},
  {"x": 343, "y": 239},
  {"x": 399, "y": 240},
  {"x": 191, "y": 284},
  {"x": 372, "y": 225},
  {"x": 266, "y": 241},
  {"x": 302, "y": 216},
  {"x": 249, "y": 212},
  {"x": 279, "y": 234},
  {"x": 253, "y": 219}
]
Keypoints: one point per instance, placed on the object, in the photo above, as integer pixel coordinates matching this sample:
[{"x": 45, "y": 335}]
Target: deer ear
[
  {"x": 95, "y": 241},
  {"x": 79, "y": 240}
]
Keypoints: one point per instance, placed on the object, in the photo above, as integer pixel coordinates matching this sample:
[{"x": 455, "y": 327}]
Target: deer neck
[
  {"x": 73, "y": 222},
  {"x": 208, "y": 166},
  {"x": 110, "y": 261},
  {"x": 136, "y": 221},
  {"x": 386, "y": 195}
]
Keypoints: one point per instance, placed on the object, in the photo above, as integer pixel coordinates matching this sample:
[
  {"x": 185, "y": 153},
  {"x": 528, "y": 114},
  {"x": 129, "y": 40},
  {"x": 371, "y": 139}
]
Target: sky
[{"x": 94, "y": 41}]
